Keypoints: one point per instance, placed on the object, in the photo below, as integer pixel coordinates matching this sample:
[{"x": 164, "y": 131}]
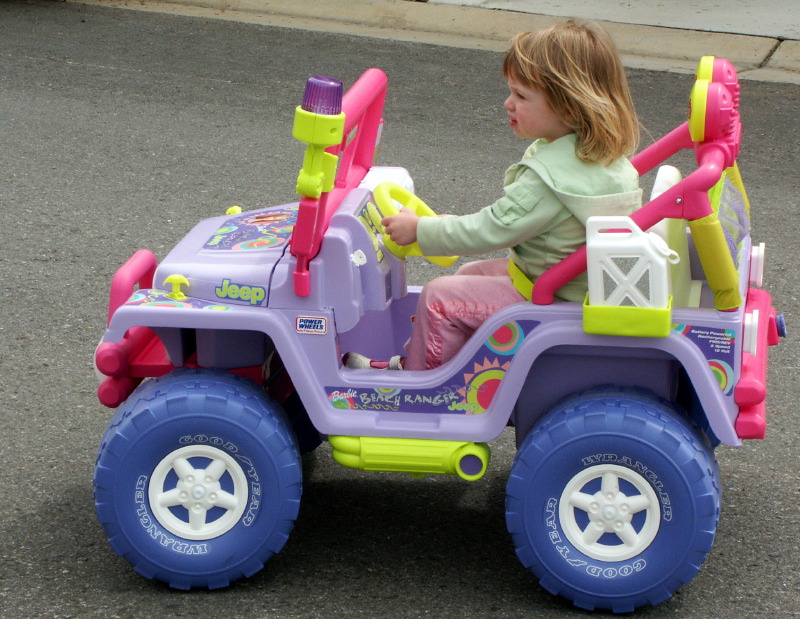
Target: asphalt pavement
[
  {"x": 121, "y": 129},
  {"x": 761, "y": 40}
]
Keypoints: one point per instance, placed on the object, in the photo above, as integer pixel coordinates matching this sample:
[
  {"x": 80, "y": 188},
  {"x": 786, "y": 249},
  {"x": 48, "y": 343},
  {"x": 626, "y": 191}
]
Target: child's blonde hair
[{"x": 579, "y": 71}]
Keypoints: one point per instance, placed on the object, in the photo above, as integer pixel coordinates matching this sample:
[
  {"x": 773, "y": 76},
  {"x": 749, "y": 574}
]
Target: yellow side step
[{"x": 416, "y": 456}]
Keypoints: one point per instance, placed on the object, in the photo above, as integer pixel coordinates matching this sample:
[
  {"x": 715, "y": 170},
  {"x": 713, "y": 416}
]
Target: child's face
[{"x": 530, "y": 115}]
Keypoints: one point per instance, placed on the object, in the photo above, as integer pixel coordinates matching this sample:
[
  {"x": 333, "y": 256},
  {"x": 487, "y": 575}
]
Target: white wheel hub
[
  {"x": 184, "y": 506},
  {"x": 587, "y": 513}
]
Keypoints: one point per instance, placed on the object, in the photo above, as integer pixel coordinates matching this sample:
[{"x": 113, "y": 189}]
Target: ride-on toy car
[{"x": 224, "y": 363}]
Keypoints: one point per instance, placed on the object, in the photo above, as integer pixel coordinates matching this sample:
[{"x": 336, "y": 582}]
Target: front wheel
[
  {"x": 198, "y": 479},
  {"x": 613, "y": 500}
]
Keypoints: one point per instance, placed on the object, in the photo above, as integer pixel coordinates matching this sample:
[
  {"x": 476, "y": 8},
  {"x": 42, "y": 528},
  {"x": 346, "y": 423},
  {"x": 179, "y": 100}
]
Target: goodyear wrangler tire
[
  {"x": 198, "y": 479},
  {"x": 613, "y": 500}
]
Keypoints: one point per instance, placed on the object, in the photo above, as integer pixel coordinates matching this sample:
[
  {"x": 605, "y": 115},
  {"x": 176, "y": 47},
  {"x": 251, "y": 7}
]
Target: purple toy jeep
[{"x": 224, "y": 363}]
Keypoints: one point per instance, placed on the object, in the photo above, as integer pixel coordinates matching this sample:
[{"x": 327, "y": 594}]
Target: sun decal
[{"x": 482, "y": 383}]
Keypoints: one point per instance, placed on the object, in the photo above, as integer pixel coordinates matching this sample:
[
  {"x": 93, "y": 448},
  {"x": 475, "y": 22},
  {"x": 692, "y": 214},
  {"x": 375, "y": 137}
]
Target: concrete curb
[{"x": 642, "y": 47}]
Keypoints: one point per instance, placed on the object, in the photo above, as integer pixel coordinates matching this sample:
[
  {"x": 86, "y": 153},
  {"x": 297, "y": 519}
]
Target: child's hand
[{"x": 402, "y": 228}]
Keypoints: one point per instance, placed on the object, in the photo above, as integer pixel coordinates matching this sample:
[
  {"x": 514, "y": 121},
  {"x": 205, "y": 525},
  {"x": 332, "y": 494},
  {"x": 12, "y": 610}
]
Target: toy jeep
[{"x": 224, "y": 363}]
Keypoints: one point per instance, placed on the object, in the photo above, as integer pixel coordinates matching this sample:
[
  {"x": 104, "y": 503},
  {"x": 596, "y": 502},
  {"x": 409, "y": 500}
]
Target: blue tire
[
  {"x": 613, "y": 500},
  {"x": 198, "y": 479}
]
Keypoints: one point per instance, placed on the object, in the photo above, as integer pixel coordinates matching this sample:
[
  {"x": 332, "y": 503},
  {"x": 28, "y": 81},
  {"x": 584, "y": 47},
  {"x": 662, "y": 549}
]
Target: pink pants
[{"x": 452, "y": 307}]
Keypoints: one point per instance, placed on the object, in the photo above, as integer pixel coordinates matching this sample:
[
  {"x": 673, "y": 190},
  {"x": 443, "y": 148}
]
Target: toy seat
[{"x": 684, "y": 290}]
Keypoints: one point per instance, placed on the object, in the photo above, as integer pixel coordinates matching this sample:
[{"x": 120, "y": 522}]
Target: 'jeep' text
[{"x": 253, "y": 294}]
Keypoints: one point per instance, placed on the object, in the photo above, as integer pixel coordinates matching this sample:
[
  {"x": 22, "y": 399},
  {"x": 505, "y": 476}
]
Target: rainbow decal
[
  {"x": 159, "y": 299},
  {"x": 138, "y": 297},
  {"x": 263, "y": 242},
  {"x": 723, "y": 373},
  {"x": 168, "y": 303},
  {"x": 256, "y": 230},
  {"x": 156, "y": 298}
]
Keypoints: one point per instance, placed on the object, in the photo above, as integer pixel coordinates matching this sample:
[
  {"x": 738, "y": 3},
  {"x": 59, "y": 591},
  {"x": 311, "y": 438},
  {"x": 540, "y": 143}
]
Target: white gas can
[{"x": 626, "y": 266}]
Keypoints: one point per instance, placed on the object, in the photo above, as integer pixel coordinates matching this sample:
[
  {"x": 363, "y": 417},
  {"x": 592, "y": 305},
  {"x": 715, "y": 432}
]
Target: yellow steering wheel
[{"x": 386, "y": 194}]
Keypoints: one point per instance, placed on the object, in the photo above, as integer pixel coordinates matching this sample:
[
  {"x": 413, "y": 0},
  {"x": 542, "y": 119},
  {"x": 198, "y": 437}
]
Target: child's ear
[{"x": 568, "y": 118}]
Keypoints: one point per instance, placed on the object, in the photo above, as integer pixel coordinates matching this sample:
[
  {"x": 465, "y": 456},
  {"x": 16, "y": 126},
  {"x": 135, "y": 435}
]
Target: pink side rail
[
  {"x": 751, "y": 391},
  {"x": 113, "y": 358},
  {"x": 139, "y": 269},
  {"x": 362, "y": 105}
]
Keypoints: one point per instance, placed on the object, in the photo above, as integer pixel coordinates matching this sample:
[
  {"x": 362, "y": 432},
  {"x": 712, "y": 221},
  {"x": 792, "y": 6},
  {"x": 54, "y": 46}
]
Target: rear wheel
[
  {"x": 198, "y": 479},
  {"x": 613, "y": 500}
]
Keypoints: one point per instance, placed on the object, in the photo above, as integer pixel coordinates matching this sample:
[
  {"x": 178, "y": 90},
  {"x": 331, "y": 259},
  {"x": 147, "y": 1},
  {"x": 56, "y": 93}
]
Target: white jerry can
[{"x": 626, "y": 266}]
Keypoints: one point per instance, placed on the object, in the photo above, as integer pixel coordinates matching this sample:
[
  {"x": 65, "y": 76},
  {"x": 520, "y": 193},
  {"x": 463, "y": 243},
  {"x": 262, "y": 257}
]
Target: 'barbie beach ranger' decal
[{"x": 470, "y": 392}]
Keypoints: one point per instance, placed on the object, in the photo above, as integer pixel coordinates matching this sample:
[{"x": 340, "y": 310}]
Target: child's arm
[
  {"x": 473, "y": 234},
  {"x": 402, "y": 228}
]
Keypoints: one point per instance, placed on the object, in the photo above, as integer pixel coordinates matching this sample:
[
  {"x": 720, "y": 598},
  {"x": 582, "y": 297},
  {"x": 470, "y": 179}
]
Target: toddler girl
[{"x": 568, "y": 93}]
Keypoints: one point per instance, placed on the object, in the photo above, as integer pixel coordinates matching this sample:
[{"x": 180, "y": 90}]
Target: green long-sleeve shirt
[{"x": 549, "y": 195}]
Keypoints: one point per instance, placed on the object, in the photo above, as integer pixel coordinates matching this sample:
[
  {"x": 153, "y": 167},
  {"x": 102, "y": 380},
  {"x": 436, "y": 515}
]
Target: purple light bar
[{"x": 323, "y": 95}]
